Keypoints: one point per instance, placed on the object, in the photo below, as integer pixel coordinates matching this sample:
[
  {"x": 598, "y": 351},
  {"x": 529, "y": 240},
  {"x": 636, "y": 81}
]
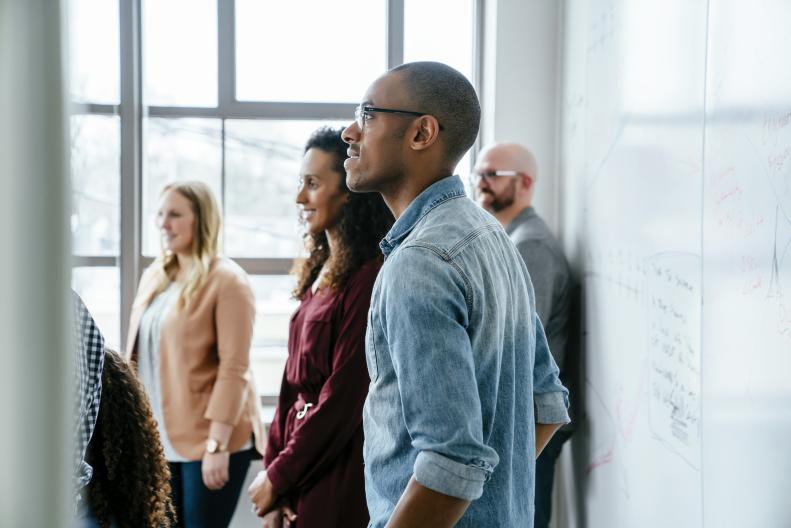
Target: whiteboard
[
  {"x": 747, "y": 266},
  {"x": 676, "y": 177}
]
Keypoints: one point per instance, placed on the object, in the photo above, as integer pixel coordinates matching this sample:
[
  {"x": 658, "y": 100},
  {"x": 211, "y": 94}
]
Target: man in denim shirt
[{"x": 464, "y": 392}]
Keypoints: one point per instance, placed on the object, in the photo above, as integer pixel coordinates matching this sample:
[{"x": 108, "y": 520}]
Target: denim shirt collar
[{"x": 434, "y": 195}]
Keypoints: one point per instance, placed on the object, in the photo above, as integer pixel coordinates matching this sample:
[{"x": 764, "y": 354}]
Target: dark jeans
[
  {"x": 545, "y": 476},
  {"x": 199, "y": 507}
]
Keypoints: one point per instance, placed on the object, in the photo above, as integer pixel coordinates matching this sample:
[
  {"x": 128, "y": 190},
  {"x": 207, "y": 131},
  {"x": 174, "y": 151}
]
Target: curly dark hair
[
  {"x": 364, "y": 221},
  {"x": 131, "y": 481}
]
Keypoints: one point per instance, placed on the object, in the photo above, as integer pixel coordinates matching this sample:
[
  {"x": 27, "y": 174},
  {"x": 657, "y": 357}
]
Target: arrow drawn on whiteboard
[
  {"x": 780, "y": 247},
  {"x": 775, "y": 287},
  {"x": 614, "y": 143},
  {"x": 606, "y": 457},
  {"x": 774, "y": 173},
  {"x": 774, "y": 283},
  {"x": 627, "y": 425}
]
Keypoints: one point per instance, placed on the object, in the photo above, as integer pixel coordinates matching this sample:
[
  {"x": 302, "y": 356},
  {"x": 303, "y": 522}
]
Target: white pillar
[
  {"x": 521, "y": 90},
  {"x": 35, "y": 350}
]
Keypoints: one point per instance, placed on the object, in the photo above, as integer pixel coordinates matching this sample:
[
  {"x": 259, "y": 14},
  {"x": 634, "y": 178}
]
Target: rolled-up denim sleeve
[
  {"x": 447, "y": 476},
  {"x": 551, "y": 398},
  {"x": 426, "y": 319}
]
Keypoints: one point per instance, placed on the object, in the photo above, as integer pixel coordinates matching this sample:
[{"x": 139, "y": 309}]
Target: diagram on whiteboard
[
  {"x": 674, "y": 350},
  {"x": 773, "y": 150},
  {"x": 778, "y": 170}
]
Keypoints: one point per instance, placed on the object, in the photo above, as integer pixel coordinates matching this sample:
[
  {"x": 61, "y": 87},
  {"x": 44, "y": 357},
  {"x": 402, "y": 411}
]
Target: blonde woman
[{"x": 189, "y": 336}]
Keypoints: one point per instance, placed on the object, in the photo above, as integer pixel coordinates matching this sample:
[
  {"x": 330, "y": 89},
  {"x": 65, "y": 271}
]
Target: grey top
[
  {"x": 148, "y": 360},
  {"x": 552, "y": 281}
]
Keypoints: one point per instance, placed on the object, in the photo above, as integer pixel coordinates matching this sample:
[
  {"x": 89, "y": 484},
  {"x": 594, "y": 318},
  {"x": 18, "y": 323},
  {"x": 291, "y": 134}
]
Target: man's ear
[
  {"x": 527, "y": 181},
  {"x": 425, "y": 132}
]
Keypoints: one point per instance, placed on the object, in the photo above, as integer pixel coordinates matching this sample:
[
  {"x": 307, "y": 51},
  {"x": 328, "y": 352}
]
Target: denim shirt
[{"x": 459, "y": 364}]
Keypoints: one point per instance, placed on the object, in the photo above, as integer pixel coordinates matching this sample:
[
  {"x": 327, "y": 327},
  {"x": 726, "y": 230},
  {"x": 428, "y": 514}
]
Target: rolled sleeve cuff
[
  {"x": 552, "y": 408},
  {"x": 449, "y": 477}
]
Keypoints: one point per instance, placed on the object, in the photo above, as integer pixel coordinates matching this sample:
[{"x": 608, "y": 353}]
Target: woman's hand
[
  {"x": 280, "y": 517},
  {"x": 273, "y": 519},
  {"x": 262, "y": 493},
  {"x": 214, "y": 469}
]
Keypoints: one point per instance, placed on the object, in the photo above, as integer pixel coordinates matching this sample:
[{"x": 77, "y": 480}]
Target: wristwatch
[{"x": 213, "y": 446}]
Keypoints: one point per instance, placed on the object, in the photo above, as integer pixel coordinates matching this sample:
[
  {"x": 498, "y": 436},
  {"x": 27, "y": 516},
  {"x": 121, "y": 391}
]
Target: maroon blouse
[{"x": 315, "y": 452}]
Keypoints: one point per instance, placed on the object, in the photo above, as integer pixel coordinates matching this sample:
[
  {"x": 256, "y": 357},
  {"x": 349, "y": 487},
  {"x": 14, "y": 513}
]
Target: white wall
[
  {"x": 521, "y": 96},
  {"x": 520, "y": 88}
]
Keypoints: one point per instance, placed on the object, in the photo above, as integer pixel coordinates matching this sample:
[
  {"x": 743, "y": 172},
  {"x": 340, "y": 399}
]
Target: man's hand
[
  {"x": 544, "y": 433},
  {"x": 262, "y": 494},
  {"x": 214, "y": 469}
]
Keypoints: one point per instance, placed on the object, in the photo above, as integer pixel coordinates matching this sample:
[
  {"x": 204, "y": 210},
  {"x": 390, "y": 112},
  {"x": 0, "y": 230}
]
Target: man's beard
[{"x": 503, "y": 200}]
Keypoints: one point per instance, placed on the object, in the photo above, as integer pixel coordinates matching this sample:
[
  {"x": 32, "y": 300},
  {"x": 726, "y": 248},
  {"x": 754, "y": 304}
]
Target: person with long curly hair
[
  {"x": 314, "y": 463},
  {"x": 131, "y": 482}
]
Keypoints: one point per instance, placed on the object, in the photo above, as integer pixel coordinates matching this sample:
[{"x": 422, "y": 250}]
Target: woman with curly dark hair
[
  {"x": 130, "y": 486},
  {"x": 314, "y": 462}
]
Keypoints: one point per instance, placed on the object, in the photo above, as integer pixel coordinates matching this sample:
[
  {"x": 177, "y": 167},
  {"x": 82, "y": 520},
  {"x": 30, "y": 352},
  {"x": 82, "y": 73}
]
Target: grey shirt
[
  {"x": 552, "y": 280},
  {"x": 148, "y": 360}
]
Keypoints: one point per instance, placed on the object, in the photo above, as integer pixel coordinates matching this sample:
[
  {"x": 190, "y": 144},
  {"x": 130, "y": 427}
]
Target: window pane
[
  {"x": 463, "y": 170},
  {"x": 180, "y": 52},
  {"x": 177, "y": 150},
  {"x": 262, "y": 172},
  {"x": 425, "y": 21},
  {"x": 95, "y": 56},
  {"x": 293, "y": 51},
  {"x": 274, "y": 306},
  {"x": 96, "y": 179},
  {"x": 100, "y": 289}
]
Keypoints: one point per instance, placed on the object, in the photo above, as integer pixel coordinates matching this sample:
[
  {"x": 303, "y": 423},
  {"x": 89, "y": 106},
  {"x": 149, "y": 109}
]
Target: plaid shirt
[{"x": 88, "y": 362}]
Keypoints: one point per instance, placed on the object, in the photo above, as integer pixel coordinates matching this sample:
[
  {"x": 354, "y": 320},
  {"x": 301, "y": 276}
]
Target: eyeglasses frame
[
  {"x": 476, "y": 177},
  {"x": 361, "y": 110}
]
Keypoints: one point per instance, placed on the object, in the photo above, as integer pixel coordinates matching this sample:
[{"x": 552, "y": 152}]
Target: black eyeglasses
[{"x": 362, "y": 113}]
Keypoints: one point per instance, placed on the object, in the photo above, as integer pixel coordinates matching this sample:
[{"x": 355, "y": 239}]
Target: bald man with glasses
[{"x": 504, "y": 181}]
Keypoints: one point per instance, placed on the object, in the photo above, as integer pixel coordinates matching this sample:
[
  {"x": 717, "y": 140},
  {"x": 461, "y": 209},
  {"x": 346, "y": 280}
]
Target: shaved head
[
  {"x": 443, "y": 92},
  {"x": 510, "y": 192},
  {"x": 511, "y": 156}
]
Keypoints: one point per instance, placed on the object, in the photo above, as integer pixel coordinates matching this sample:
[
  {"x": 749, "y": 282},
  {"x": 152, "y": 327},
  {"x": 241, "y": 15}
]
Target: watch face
[{"x": 211, "y": 446}]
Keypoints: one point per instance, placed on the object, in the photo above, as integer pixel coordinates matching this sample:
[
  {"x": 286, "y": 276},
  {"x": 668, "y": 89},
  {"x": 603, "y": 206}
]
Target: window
[
  {"x": 455, "y": 21},
  {"x": 273, "y": 306},
  {"x": 262, "y": 159},
  {"x": 96, "y": 197},
  {"x": 99, "y": 288},
  {"x": 317, "y": 54},
  {"x": 177, "y": 150},
  {"x": 440, "y": 30},
  {"x": 95, "y": 160},
  {"x": 180, "y": 52},
  {"x": 228, "y": 95},
  {"x": 95, "y": 56}
]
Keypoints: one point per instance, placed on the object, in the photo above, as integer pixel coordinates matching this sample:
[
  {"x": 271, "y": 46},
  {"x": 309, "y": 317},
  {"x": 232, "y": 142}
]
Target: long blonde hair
[{"x": 205, "y": 246}]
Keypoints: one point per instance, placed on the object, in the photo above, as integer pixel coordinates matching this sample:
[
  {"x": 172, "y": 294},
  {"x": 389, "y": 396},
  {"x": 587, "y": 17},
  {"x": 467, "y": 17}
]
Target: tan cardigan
[{"x": 204, "y": 362}]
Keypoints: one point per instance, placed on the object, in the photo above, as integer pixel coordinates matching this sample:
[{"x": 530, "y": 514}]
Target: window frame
[{"x": 132, "y": 113}]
